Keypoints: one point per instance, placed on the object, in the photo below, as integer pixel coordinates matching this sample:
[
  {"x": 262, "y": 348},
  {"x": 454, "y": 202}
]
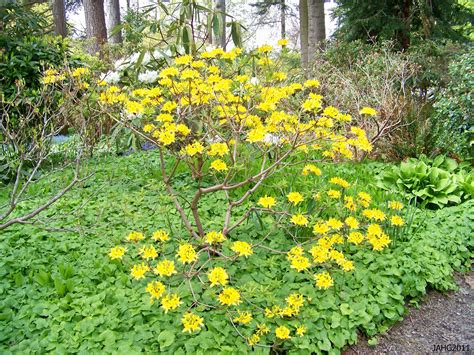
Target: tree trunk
[
  {"x": 59, "y": 17},
  {"x": 316, "y": 27},
  {"x": 220, "y": 7},
  {"x": 113, "y": 20},
  {"x": 303, "y": 10},
  {"x": 283, "y": 18},
  {"x": 95, "y": 25},
  {"x": 404, "y": 33}
]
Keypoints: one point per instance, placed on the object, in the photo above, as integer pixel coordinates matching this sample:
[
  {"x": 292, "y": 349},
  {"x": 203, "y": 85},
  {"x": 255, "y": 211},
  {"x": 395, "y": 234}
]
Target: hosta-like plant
[
  {"x": 433, "y": 183},
  {"x": 232, "y": 126}
]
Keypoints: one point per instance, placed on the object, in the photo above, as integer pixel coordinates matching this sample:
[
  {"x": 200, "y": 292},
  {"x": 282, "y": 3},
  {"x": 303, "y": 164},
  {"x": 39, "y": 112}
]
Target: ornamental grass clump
[{"x": 233, "y": 131}]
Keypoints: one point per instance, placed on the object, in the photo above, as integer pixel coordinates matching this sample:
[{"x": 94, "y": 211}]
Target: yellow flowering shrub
[{"x": 232, "y": 132}]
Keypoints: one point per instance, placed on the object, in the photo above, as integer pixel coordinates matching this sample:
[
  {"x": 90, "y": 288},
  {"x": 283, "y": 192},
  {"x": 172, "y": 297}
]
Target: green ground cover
[{"x": 60, "y": 292}]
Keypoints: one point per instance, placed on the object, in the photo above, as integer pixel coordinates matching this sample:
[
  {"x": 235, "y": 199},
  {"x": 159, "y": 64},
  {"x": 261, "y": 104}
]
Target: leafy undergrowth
[{"x": 60, "y": 292}]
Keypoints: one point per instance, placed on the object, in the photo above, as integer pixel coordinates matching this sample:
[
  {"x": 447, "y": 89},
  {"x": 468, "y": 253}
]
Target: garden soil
[{"x": 444, "y": 323}]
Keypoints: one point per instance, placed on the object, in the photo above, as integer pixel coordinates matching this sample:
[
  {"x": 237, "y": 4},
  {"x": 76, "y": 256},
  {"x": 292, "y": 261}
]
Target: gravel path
[{"x": 443, "y": 323}]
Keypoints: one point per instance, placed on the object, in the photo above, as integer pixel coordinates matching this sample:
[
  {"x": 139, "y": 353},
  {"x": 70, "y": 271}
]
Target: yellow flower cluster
[
  {"x": 214, "y": 237},
  {"x": 229, "y": 296},
  {"x": 165, "y": 268},
  {"x": 117, "y": 252},
  {"x": 259, "y": 115},
  {"x": 242, "y": 248},
  {"x": 191, "y": 322},
  {"x": 267, "y": 201},
  {"x": 218, "y": 276},
  {"x": 186, "y": 253}
]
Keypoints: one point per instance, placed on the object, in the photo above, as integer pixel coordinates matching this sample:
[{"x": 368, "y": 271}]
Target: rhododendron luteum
[{"x": 205, "y": 115}]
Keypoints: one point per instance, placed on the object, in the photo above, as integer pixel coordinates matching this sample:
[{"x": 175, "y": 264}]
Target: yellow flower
[
  {"x": 355, "y": 238},
  {"x": 300, "y": 330},
  {"x": 183, "y": 129},
  {"x": 265, "y": 61},
  {"x": 169, "y": 106},
  {"x": 242, "y": 248},
  {"x": 299, "y": 220},
  {"x": 334, "y": 223},
  {"x": 279, "y": 76},
  {"x": 395, "y": 205},
  {"x": 219, "y": 149},
  {"x": 253, "y": 339},
  {"x": 323, "y": 280},
  {"x": 364, "y": 198},
  {"x": 155, "y": 289},
  {"x": 167, "y": 72},
  {"x": 351, "y": 222},
  {"x": 166, "y": 138},
  {"x": 170, "y": 302},
  {"x": 219, "y": 165},
  {"x": 80, "y": 72},
  {"x": 147, "y": 128},
  {"x": 229, "y": 296},
  {"x": 397, "y": 221},
  {"x": 295, "y": 198},
  {"x": 368, "y": 111},
  {"x": 262, "y": 329},
  {"x": 218, "y": 276},
  {"x": 311, "y": 84},
  {"x": 346, "y": 265},
  {"x": 374, "y": 230},
  {"x": 193, "y": 149},
  {"x": 374, "y": 214},
  {"x": 349, "y": 203},
  {"x": 117, "y": 252},
  {"x": 334, "y": 194},
  {"x": 183, "y": 60},
  {"x": 191, "y": 322},
  {"x": 256, "y": 135},
  {"x": 165, "y": 268},
  {"x": 339, "y": 181},
  {"x": 295, "y": 300},
  {"x": 135, "y": 237},
  {"x": 148, "y": 252},
  {"x": 310, "y": 168},
  {"x": 331, "y": 111},
  {"x": 283, "y": 42},
  {"x": 320, "y": 253},
  {"x": 267, "y": 201},
  {"x": 160, "y": 235},
  {"x": 320, "y": 228},
  {"x": 214, "y": 237},
  {"x": 186, "y": 253},
  {"x": 244, "y": 317},
  {"x": 265, "y": 48},
  {"x": 294, "y": 252},
  {"x": 164, "y": 117},
  {"x": 336, "y": 255},
  {"x": 282, "y": 332},
  {"x": 133, "y": 107},
  {"x": 139, "y": 271},
  {"x": 300, "y": 263}
]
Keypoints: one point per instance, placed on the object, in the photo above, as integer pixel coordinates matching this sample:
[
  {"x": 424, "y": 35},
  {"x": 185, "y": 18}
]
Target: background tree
[
  {"x": 95, "y": 24},
  {"x": 59, "y": 17},
  {"x": 220, "y": 8},
  {"x": 263, "y": 8},
  {"x": 113, "y": 21},
  {"x": 402, "y": 20},
  {"x": 303, "y": 11},
  {"x": 316, "y": 26}
]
